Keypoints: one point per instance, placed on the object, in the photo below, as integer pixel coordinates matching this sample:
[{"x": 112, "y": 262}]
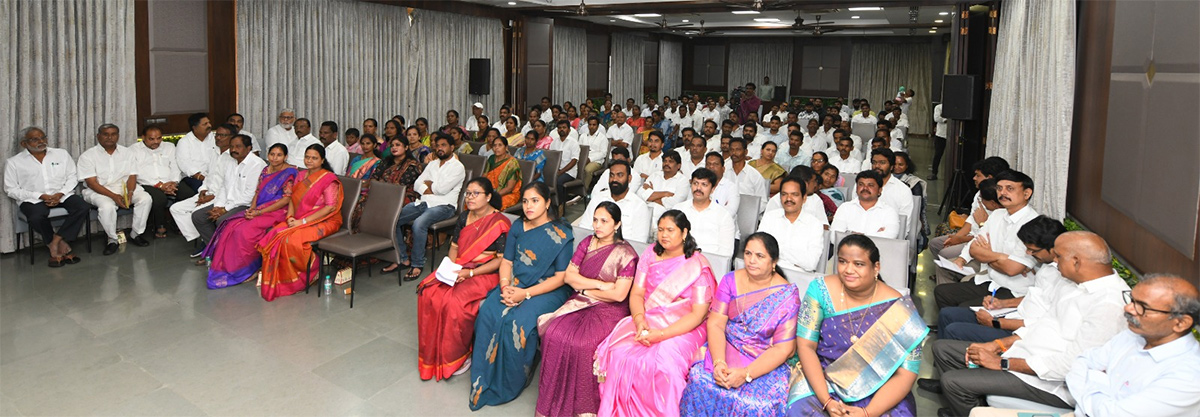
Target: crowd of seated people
[{"x": 616, "y": 332}]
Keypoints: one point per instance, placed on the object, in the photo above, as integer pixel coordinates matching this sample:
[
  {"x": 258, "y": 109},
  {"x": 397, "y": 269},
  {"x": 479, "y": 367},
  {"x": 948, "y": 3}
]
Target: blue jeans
[
  {"x": 420, "y": 216},
  {"x": 958, "y": 323}
]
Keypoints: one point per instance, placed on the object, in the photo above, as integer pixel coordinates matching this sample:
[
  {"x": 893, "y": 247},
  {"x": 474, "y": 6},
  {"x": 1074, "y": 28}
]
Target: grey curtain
[
  {"x": 670, "y": 68},
  {"x": 1035, "y": 72},
  {"x": 626, "y": 75},
  {"x": 68, "y": 67},
  {"x": 387, "y": 62},
  {"x": 570, "y": 64},
  {"x": 878, "y": 70},
  {"x": 750, "y": 62}
]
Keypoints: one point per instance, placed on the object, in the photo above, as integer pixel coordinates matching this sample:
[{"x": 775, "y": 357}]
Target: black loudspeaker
[
  {"x": 961, "y": 97},
  {"x": 481, "y": 70}
]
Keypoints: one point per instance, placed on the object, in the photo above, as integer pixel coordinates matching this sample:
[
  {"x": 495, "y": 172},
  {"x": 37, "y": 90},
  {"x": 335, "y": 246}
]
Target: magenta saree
[{"x": 234, "y": 258}]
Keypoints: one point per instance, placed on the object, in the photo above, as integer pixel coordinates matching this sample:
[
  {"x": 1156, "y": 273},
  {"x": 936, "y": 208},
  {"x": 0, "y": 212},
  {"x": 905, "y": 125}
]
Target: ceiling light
[
  {"x": 854, "y": 17},
  {"x": 933, "y": 31},
  {"x": 612, "y": 20},
  {"x": 934, "y": 28},
  {"x": 864, "y": 9},
  {"x": 938, "y": 21},
  {"x": 647, "y": 15},
  {"x": 766, "y": 19},
  {"x": 685, "y": 20},
  {"x": 512, "y": 3},
  {"x": 744, "y": 12},
  {"x": 943, "y": 13}
]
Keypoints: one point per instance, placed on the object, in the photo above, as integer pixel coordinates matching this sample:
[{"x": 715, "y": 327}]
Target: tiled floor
[{"x": 138, "y": 333}]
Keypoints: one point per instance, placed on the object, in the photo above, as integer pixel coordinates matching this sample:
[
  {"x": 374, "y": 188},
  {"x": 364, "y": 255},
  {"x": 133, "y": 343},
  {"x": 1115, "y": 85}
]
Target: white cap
[{"x": 479, "y": 105}]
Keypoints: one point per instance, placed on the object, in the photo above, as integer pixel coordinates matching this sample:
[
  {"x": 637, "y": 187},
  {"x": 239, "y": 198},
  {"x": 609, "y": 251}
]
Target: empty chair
[{"x": 382, "y": 207}]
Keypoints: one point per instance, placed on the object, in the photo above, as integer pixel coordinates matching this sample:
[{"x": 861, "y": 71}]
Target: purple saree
[{"x": 234, "y": 258}]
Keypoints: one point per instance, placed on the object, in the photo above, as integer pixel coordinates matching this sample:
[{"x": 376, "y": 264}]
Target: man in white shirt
[
  {"x": 283, "y": 132},
  {"x": 196, "y": 150},
  {"x": 239, "y": 122},
  {"x": 711, "y": 138},
  {"x": 800, "y": 237},
  {"x": 864, "y": 115},
  {"x": 215, "y": 179},
  {"x": 649, "y": 108},
  {"x": 939, "y": 140},
  {"x": 635, "y": 214},
  {"x": 749, "y": 180},
  {"x": 472, "y": 124},
  {"x": 535, "y": 113},
  {"x": 766, "y": 90},
  {"x": 335, "y": 153},
  {"x": 1000, "y": 253},
  {"x": 986, "y": 201},
  {"x": 793, "y": 153},
  {"x": 665, "y": 188},
  {"x": 158, "y": 174},
  {"x": 808, "y": 114},
  {"x": 713, "y": 227},
  {"x": 812, "y": 205},
  {"x": 723, "y": 108},
  {"x": 569, "y": 147},
  {"x": 725, "y": 192},
  {"x": 439, "y": 186},
  {"x": 1033, "y": 362},
  {"x": 622, "y": 154},
  {"x": 894, "y": 192},
  {"x": 650, "y": 162},
  {"x": 773, "y": 133},
  {"x": 1151, "y": 368},
  {"x": 306, "y": 139},
  {"x": 697, "y": 147},
  {"x": 40, "y": 179},
  {"x": 813, "y": 137},
  {"x": 505, "y": 113},
  {"x": 844, "y": 160},
  {"x": 620, "y": 134},
  {"x": 110, "y": 172},
  {"x": 545, "y": 114},
  {"x": 593, "y": 137},
  {"x": 866, "y": 215},
  {"x": 241, "y": 182}
]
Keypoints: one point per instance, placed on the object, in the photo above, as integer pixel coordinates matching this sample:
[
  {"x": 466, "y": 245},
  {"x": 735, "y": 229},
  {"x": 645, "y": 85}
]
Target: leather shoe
[
  {"x": 931, "y": 385},
  {"x": 110, "y": 249},
  {"x": 140, "y": 241},
  {"x": 945, "y": 412}
]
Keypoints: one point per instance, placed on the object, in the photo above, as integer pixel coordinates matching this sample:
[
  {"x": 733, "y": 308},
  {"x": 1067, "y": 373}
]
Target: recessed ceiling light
[
  {"x": 864, "y": 9},
  {"x": 612, "y": 20},
  {"x": 938, "y": 21},
  {"x": 854, "y": 17},
  {"x": 943, "y": 13},
  {"x": 933, "y": 31},
  {"x": 647, "y": 15},
  {"x": 934, "y": 28},
  {"x": 685, "y": 20},
  {"x": 744, "y": 12},
  {"x": 766, "y": 19},
  {"x": 512, "y": 3}
]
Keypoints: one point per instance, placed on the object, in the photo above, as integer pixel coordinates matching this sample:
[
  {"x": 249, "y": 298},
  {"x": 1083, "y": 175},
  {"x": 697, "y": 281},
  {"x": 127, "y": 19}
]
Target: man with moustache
[
  {"x": 697, "y": 147},
  {"x": 196, "y": 150},
  {"x": 712, "y": 224},
  {"x": 241, "y": 182},
  {"x": 749, "y": 180},
  {"x": 593, "y": 136},
  {"x": 665, "y": 188},
  {"x": 158, "y": 174},
  {"x": 284, "y": 132},
  {"x": 724, "y": 188},
  {"x": 651, "y": 162},
  {"x": 866, "y": 215},
  {"x": 845, "y": 161},
  {"x": 800, "y": 237},
  {"x": 439, "y": 186},
  {"x": 1033, "y": 363},
  {"x": 182, "y": 211},
  {"x": 40, "y": 179},
  {"x": 568, "y": 146},
  {"x": 894, "y": 192},
  {"x": 109, "y": 172},
  {"x": 793, "y": 153},
  {"x": 635, "y": 214},
  {"x": 238, "y": 121},
  {"x": 335, "y": 153},
  {"x": 622, "y": 154},
  {"x": 305, "y": 139}
]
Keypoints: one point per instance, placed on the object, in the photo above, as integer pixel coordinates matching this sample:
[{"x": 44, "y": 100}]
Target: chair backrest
[
  {"x": 914, "y": 221},
  {"x": 579, "y": 233},
  {"x": 747, "y": 216},
  {"x": 639, "y": 247},
  {"x": 473, "y": 163},
  {"x": 720, "y": 265},
  {"x": 550, "y": 169},
  {"x": 512, "y": 218},
  {"x": 823, "y": 262},
  {"x": 351, "y": 189},
  {"x": 527, "y": 169},
  {"x": 800, "y": 278},
  {"x": 476, "y": 146},
  {"x": 462, "y": 191},
  {"x": 864, "y": 130},
  {"x": 382, "y": 209},
  {"x": 893, "y": 260},
  {"x": 634, "y": 147},
  {"x": 583, "y": 160},
  {"x": 903, "y": 226}
]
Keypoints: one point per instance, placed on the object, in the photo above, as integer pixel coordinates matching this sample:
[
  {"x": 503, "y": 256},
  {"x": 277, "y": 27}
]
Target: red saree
[
  {"x": 445, "y": 314},
  {"x": 287, "y": 250}
]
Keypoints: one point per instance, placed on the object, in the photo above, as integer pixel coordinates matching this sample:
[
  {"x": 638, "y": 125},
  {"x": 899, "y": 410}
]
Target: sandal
[
  {"x": 393, "y": 267},
  {"x": 160, "y": 233},
  {"x": 413, "y": 274},
  {"x": 70, "y": 259},
  {"x": 56, "y": 262}
]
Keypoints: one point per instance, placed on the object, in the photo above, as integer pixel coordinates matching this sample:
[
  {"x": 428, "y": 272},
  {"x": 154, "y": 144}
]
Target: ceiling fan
[
  {"x": 664, "y": 25},
  {"x": 699, "y": 32},
  {"x": 761, "y": 5},
  {"x": 816, "y": 29},
  {"x": 578, "y": 11}
]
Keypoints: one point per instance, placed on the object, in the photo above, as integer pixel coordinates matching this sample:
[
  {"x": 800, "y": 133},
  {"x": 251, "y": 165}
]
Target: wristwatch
[
  {"x": 1003, "y": 364},
  {"x": 748, "y": 378},
  {"x": 996, "y": 323}
]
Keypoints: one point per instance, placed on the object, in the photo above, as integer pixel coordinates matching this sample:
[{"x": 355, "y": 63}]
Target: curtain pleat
[
  {"x": 627, "y": 75},
  {"x": 570, "y": 64},
  {"x": 1035, "y": 72},
  {"x": 750, "y": 62},
  {"x": 670, "y": 68},
  {"x": 878, "y": 70},
  {"x": 68, "y": 67}
]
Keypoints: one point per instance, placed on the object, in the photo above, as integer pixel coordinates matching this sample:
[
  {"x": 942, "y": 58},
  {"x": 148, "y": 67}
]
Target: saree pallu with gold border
[{"x": 287, "y": 251}]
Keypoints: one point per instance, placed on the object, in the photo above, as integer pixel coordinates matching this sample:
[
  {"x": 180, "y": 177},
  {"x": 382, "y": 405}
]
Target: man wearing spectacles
[
  {"x": 1033, "y": 362},
  {"x": 1150, "y": 369}
]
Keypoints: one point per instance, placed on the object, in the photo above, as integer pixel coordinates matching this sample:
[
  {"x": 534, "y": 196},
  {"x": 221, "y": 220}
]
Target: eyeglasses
[
  {"x": 1140, "y": 307},
  {"x": 473, "y": 194}
]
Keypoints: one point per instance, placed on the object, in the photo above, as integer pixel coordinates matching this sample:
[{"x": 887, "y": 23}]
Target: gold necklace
[{"x": 863, "y": 319}]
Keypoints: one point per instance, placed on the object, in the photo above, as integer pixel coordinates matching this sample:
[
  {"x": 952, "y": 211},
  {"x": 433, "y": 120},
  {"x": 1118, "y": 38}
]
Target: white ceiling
[{"x": 887, "y": 16}]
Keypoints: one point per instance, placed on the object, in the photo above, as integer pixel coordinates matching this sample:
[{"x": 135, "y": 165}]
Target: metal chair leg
[
  {"x": 353, "y": 280},
  {"x": 308, "y": 273},
  {"x": 31, "y": 254}
]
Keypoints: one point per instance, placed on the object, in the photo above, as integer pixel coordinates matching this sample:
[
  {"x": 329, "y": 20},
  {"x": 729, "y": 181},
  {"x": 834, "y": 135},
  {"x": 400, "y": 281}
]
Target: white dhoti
[{"x": 182, "y": 211}]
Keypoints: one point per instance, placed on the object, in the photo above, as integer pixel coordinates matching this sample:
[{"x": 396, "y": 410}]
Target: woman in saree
[
  {"x": 489, "y": 136},
  {"x": 512, "y": 132},
  {"x": 423, "y": 134},
  {"x": 766, "y": 166},
  {"x": 601, "y": 272},
  {"x": 312, "y": 213},
  {"x": 416, "y": 149},
  {"x": 234, "y": 259},
  {"x": 446, "y": 313},
  {"x": 642, "y": 366},
  {"x": 536, "y": 256},
  {"x": 363, "y": 165},
  {"x": 543, "y": 135},
  {"x": 398, "y": 168},
  {"x": 531, "y": 153},
  {"x": 751, "y": 333},
  {"x": 391, "y": 129},
  {"x": 859, "y": 341},
  {"x": 504, "y": 172}
]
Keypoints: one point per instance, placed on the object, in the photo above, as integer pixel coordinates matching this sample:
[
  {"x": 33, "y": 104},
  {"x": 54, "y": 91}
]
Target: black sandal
[
  {"x": 56, "y": 262},
  {"x": 70, "y": 259},
  {"x": 394, "y": 268},
  {"x": 413, "y": 274}
]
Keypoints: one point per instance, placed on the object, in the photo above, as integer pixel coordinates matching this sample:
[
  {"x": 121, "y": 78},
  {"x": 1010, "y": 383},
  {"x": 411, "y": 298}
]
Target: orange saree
[{"x": 287, "y": 251}]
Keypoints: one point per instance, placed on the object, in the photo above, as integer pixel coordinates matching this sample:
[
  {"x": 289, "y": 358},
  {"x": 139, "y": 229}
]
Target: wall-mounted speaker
[
  {"x": 481, "y": 70},
  {"x": 962, "y": 97}
]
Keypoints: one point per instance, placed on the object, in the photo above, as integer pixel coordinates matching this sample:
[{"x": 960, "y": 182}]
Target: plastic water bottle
[{"x": 328, "y": 285}]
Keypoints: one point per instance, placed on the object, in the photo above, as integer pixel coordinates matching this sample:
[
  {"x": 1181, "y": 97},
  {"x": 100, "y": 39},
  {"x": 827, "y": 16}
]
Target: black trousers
[
  {"x": 939, "y": 149},
  {"x": 39, "y": 220},
  {"x": 964, "y": 388},
  {"x": 192, "y": 183},
  {"x": 965, "y": 294},
  {"x": 159, "y": 216}
]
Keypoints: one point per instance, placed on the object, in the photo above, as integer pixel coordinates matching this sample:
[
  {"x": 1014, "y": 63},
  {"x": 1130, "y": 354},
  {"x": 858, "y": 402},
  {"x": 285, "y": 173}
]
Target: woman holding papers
[
  {"x": 602, "y": 272},
  {"x": 446, "y": 311},
  {"x": 536, "y": 256}
]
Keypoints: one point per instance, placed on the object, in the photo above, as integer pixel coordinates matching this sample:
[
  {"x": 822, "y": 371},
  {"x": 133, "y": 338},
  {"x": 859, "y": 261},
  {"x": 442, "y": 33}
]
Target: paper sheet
[
  {"x": 997, "y": 313},
  {"x": 948, "y": 264},
  {"x": 447, "y": 272}
]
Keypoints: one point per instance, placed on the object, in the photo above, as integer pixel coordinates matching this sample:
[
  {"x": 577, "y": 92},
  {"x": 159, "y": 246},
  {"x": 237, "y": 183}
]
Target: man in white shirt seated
[
  {"x": 866, "y": 215},
  {"x": 812, "y": 205},
  {"x": 635, "y": 214},
  {"x": 1033, "y": 362},
  {"x": 697, "y": 148},
  {"x": 897, "y": 117},
  {"x": 215, "y": 179},
  {"x": 808, "y": 114},
  {"x": 196, "y": 150},
  {"x": 439, "y": 186},
  {"x": 546, "y": 115},
  {"x": 800, "y": 237},
  {"x": 665, "y": 188},
  {"x": 535, "y": 114},
  {"x": 40, "y": 179},
  {"x": 620, "y": 134},
  {"x": 894, "y": 135},
  {"x": 712, "y": 225},
  {"x": 725, "y": 192},
  {"x": 711, "y": 138},
  {"x": 749, "y": 180},
  {"x": 1000, "y": 253},
  {"x": 793, "y": 153},
  {"x": 158, "y": 174},
  {"x": 335, "y": 153},
  {"x": 296, "y": 150},
  {"x": 239, "y": 122},
  {"x": 951, "y": 245},
  {"x": 894, "y": 192},
  {"x": 569, "y": 147},
  {"x": 844, "y": 160},
  {"x": 864, "y": 115},
  {"x": 1151, "y": 368},
  {"x": 649, "y": 108},
  {"x": 813, "y": 137},
  {"x": 622, "y": 154},
  {"x": 472, "y": 122},
  {"x": 110, "y": 172},
  {"x": 962, "y": 323},
  {"x": 241, "y": 182},
  {"x": 505, "y": 113},
  {"x": 284, "y": 133},
  {"x": 685, "y": 140},
  {"x": 593, "y": 137},
  {"x": 773, "y": 133},
  {"x": 650, "y": 162}
]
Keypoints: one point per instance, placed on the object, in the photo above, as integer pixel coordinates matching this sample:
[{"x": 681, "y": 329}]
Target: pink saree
[{"x": 637, "y": 380}]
